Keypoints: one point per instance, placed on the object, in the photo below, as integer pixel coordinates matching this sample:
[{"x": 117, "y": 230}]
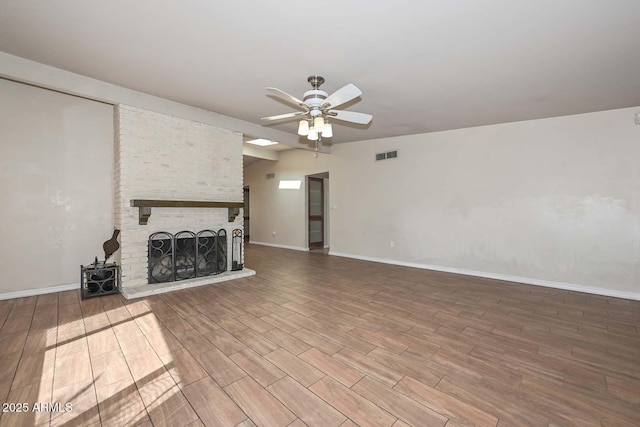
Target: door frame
[
  {"x": 246, "y": 194},
  {"x": 321, "y": 217}
]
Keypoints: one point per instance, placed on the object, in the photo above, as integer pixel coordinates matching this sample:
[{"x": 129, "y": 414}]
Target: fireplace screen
[{"x": 186, "y": 255}]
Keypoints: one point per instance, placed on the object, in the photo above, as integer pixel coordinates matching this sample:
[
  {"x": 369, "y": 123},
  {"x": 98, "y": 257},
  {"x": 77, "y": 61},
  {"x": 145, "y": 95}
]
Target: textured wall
[
  {"x": 555, "y": 200},
  {"x": 56, "y": 181}
]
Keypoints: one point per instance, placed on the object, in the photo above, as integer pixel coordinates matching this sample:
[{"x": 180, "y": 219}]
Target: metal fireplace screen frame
[{"x": 186, "y": 255}]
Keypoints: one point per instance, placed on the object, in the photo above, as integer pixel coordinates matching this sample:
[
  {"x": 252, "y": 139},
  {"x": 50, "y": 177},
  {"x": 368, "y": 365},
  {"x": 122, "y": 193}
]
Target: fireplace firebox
[{"x": 186, "y": 255}]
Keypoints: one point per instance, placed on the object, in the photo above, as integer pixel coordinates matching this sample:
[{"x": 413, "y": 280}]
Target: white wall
[
  {"x": 56, "y": 181},
  {"x": 553, "y": 200},
  {"x": 282, "y": 211}
]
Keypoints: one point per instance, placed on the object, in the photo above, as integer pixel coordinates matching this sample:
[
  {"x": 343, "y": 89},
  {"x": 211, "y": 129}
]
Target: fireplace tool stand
[{"x": 100, "y": 278}]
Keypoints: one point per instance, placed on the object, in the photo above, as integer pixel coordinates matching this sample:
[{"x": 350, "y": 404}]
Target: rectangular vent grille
[
  {"x": 388, "y": 155},
  {"x": 271, "y": 175}
]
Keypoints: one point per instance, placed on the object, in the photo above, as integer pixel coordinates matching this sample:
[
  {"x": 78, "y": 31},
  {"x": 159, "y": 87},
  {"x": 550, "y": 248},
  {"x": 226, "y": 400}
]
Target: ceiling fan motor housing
[{"x": 314, "y": 100}]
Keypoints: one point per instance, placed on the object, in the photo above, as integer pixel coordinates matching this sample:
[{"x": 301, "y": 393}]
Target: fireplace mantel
[{"x": 144, "y": 207}]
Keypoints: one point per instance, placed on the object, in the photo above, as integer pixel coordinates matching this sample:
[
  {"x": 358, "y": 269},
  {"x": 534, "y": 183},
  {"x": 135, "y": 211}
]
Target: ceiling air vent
[
  {"x": 388, "y": 155},
  {"x": 271, "y": 175}
]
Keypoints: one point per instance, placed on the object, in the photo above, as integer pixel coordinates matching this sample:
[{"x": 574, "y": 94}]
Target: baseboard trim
[
  {"x": 505, "y": 277},
  {"x": 274, "y": 245},
  {"x": 39, "y": 291},
  {"x": 524, "y": 280}
]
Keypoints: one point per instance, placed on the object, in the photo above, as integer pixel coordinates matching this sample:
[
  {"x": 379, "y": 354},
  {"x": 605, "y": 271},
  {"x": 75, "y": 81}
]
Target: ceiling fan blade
[
  {"x": 341, "y": 96},
  {"x": 285, "y": 116},
  {"x": 285, "y": 96},
  {"x": 351, "y": 116}
]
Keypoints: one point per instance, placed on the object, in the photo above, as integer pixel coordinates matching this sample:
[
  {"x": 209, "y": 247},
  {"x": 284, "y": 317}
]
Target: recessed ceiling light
[{"x": 261, "y": 142}]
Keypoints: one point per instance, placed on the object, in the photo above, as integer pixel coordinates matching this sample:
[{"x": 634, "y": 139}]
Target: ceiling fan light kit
[
  {"x": 318, "y": 107},
  {"x": 303, "y": 128},
  {"x": 327, "y": 131}
]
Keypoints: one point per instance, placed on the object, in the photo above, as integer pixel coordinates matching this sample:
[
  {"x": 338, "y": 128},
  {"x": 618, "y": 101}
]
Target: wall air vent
[
  {"x": 388, "y": 155},
  {"x": 271, "y": 175}
]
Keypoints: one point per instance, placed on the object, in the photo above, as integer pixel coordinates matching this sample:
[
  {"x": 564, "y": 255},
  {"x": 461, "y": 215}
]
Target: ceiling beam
[
  {"x": 37, "y": 74},
  {"x": 260, "y": 153}
]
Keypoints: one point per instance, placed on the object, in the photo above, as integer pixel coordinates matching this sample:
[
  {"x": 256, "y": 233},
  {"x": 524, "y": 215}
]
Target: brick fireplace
[{"x": 165, "y": 158}]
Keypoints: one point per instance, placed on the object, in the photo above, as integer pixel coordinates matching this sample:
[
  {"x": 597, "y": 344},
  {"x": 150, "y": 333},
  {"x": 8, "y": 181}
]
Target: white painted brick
[{"x": 165, "y": 157}]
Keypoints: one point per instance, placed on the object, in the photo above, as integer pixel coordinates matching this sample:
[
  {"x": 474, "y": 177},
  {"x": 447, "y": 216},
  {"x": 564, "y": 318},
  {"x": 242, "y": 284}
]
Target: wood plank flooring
[{"x": 316, "y": 340}]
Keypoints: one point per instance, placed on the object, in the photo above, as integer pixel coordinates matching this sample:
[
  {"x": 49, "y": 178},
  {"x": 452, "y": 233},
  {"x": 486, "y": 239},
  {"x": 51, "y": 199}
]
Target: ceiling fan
[{"x": 318, "y": 109}]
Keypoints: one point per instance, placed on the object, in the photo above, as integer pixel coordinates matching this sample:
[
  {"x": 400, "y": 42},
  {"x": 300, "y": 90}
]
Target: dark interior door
[
  {"x": 246, "y": 213},
  {"x": 316, "y": 213}
]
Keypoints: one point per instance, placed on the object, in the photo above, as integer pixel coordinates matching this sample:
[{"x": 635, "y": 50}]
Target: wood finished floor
[{"x": 325, "y": 341}]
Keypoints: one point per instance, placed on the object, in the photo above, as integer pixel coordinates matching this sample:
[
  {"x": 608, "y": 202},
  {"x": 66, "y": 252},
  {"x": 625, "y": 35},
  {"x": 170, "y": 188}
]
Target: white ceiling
[{"x": 423, "y": 65}]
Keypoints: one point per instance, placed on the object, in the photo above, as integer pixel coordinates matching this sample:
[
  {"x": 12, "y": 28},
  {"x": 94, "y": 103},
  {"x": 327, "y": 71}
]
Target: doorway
[
  {"x": 317, "y": 220},
  {"x": 246, "y": 214}
]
